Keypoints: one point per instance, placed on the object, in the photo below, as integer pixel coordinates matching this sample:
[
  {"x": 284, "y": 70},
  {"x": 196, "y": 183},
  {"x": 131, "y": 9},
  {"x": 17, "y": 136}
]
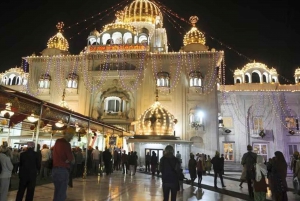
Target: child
[{"x": 181, "y": 178}]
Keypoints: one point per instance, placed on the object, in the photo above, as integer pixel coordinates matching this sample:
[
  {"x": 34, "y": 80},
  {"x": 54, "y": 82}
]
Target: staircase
[{"x": 232, "y": 167}]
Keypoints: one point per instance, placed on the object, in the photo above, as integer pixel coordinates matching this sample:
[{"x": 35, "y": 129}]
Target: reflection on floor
[{"x": 141, "y": 187}]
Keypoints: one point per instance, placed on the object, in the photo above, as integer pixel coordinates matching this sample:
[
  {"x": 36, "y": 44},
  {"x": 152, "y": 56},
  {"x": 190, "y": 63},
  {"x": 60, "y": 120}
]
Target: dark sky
[{"x": 264, "y": 30}]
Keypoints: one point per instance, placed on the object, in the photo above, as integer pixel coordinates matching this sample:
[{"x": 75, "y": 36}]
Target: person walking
[
  {"x": 248, "y": 160},
  {"x": 147, "y": 161},
  {"x": 208, "y": 164},
  {"x": 278, "y": 174},
  {"x": 124, "y": 159},
  {"x": 5, "y": 174},
  {"x": 217, "y": 166},
  {"x": 62, "y": 158},
  {"x": 259, "y": 183},
  {"x": 131, "y": 162},
  {"x": 107, "y": 157},
  {"x": 199, "y": 171},
  {"x": 154, "y": 163},
  {"x": 170, "y": 169},
  {"x": 95, "y": 155},
  {"x": 223, "y": 160},
  {"x": 192, "y": 168},
  {"x": 29, "y": 165}
]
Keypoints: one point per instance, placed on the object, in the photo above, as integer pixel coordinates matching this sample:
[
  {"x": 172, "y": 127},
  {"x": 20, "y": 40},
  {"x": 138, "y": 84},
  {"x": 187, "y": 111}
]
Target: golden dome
[
  {"x": 194, "y": 35},
  {"x": 95, "y": 33},
  {"x": 156, "y": 121},
  {"x": 58, "y": 41},
  {"x": 119, "y": 26},
  {"x": 141, "y": 11}
]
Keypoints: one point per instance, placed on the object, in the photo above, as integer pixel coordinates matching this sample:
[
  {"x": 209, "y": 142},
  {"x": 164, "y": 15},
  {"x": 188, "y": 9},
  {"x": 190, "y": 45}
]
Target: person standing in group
[
  {"x": 62, "y": 158},
  {"x": 199, "y": 170},
  {"x": 208, "y": 164},
  {"x": 170, "y": 169},
  {"x": 29, "y": 166},
  {"x": 95, "y": 160},
  {"x": 192, "y": 168},
  {"x": 259, "y": 183},
  {"x": 278, "y": 175},
  {"x": 154, "y": 163},
  {"x": 131, "y": 162},
  {"x": 5, "y": 175},
  {"x": 15, "y": 161},
  {"x": 178, "y": 156},
  {"x": 248, "y": 160},
  {"x": 223, "y": 160},
  {"x": 78, "y": 159},
  {"x": 107, "y": 157},
  {"x": 217, "y": 166},
  {"x": 46, "y": 154},
  {"x": 147, "y": 161},
  {"x": 135, "y": 161}
]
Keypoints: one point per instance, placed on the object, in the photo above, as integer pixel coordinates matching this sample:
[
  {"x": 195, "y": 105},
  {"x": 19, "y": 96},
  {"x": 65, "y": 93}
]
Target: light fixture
[
  {"x": 59, "y": 124},
  {"x": 32, "y": 118},
  {"x": 7, "y": 113}
]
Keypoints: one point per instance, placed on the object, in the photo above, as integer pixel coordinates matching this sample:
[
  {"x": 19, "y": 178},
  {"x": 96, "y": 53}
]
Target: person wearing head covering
[
  {"x": 5, "y": 174},
  {"x": 62, "y": 159},
  {"x": 259, "y": 183},
  {"x": 278, "y": 174},
  {"x": 29, "y": 165},
  {"x": 170, "y": 170},
  {"x": 297, "y": 174},
  {"x": 248, "y": 161},
  {"x": 216, "y": 161}
]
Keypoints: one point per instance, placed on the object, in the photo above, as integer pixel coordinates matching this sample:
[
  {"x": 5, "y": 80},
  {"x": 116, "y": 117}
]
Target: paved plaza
[{"x": 144, "y": 187}]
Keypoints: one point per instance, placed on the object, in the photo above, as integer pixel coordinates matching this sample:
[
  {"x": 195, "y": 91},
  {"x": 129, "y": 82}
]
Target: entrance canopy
[{"x": 22, "y": 106}]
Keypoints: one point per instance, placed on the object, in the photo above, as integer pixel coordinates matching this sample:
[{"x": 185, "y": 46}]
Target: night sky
[{"x": 264, "y": 30}]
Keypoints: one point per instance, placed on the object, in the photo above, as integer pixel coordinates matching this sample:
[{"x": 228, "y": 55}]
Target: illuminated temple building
[{"x": 126, "y": 77}]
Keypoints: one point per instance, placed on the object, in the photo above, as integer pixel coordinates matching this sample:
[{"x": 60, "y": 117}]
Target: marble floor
[{"x": 141, "y": 187}]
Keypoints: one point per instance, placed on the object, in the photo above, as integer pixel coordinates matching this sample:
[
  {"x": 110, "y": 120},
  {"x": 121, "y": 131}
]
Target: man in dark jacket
[
  {"x": 248, "y": 160},
  {"x": 29, "y": 165},
  {"x": 107, "y": 156},
  {"x": 217, "y": 163},
  {"x": 170, "y": 169}
]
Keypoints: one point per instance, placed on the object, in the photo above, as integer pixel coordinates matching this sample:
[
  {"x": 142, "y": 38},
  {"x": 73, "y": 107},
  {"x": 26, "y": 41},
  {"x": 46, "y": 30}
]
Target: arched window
[
  {"x": 72, "y": 81},
  {"x": 163, "y": 79},
  {"x": 196, "y": 79},
  {"x": 44, "y": 82}
]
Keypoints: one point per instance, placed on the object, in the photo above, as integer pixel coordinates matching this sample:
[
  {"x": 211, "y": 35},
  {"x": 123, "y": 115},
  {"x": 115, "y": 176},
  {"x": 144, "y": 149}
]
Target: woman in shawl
[
  {"x": 259, "y": 184},
  {"x": 278, "y": 175},
  {"x": 192, "y": 168}
]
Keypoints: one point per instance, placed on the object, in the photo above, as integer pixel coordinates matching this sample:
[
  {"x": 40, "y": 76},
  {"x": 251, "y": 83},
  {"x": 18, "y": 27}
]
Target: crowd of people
[{"x": 64, "y": 163}]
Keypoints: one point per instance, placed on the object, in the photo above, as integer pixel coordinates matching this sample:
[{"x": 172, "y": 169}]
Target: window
[
  {"x": 44, "y": 82},
  {"x": 112, "y": 104},
  {"x": 292, "y": 123},
  {"x": 257, "y": 124},
  {"x": 228, "y": 151},
  {"x": 72, "y": 81},
  {"x": 261, "y": 149},
  {"x": 195, "y": 79},
  {"x": 163, "y": 79},
  {"x": 227, "y": 121}
]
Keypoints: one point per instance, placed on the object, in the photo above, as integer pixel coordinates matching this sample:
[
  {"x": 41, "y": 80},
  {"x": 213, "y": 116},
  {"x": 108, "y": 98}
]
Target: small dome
[
  {"x": 58, "y": 41},
  {"x": 141, "y": 11},
  {"x": 95, "y": 33},
  {"x": 194, "y": 35},
  {"x": 156, "y": 121}
]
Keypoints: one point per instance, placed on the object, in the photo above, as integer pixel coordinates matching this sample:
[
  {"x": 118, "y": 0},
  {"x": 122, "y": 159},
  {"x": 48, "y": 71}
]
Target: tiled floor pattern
[{"x": 141, "y": 187}]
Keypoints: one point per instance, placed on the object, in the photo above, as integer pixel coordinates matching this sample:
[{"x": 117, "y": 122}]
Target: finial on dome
[
  {"x": 193, "y": 20},
  {"x": 60, "y": 26}
]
